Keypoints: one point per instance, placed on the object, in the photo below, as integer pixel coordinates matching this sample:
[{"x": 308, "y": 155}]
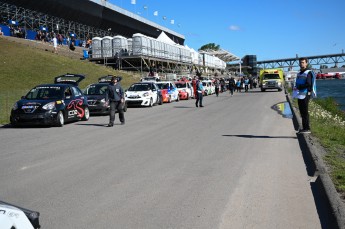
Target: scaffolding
[{"x": 34, "y": 21}]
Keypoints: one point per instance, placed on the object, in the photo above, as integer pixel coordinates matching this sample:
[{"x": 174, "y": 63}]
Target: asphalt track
[{"x": 235, "y": 163}]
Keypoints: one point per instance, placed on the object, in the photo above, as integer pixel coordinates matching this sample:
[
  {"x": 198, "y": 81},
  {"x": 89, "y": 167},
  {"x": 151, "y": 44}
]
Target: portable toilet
[
  {"x": 96, "y": 47},
  {"x": 120, "y": 45},
  {"x": 107, "y": 46}
]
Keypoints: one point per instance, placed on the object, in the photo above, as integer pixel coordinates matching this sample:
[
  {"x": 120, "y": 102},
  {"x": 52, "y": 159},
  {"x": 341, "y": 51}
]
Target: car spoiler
[
  {"x": 69, "y": 78},
  {"x": 33, "y": 216},
  {"x": 107, "y": 79}
]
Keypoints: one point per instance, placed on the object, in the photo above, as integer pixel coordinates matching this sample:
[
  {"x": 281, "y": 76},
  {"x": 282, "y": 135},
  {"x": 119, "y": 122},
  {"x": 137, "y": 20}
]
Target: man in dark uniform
[{"x": 115, "y": 97}]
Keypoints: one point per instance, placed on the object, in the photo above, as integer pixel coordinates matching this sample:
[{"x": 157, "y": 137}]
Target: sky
[{"x": 269, "y": 29}]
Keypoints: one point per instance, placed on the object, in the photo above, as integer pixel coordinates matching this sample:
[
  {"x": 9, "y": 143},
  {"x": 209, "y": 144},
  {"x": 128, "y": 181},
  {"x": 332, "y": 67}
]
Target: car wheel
[
  {"x": 14, "y": 123},
  {"x": 151, "y": 102},
  {"x": 160, "y": 100},
  {"x": 86, "y": 114},
  {"x": 60, "y": 119},
  {"x": 187, "y": 97},
  {"x": 178, "y": 98},
  {"x": 169, "y": 99}
]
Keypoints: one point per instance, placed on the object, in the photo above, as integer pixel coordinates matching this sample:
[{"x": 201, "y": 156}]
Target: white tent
[{"x": 165, "y": 39}]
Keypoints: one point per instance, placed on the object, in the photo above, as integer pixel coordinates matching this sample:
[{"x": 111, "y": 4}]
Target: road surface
[{"x": 235, "y": 163}]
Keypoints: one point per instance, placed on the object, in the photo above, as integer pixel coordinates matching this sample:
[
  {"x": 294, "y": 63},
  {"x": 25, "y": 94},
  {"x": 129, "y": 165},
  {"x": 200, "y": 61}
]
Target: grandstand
[{"x": 119, "y": 38}]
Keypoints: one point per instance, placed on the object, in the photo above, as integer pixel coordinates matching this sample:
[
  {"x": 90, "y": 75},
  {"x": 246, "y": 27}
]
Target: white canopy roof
[{"x": 164, "y": 38}]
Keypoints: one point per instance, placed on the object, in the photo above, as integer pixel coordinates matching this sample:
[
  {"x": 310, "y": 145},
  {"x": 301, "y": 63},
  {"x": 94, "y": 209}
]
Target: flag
[
  {"x": 133, "y": 2},
  {"x": 155, "y": 13},
  {"x": 172, "y": 22}
]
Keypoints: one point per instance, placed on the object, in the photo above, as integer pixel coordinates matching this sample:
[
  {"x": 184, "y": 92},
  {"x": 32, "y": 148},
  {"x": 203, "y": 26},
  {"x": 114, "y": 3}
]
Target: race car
[
  {"x": 169, "y": 91},
  {"x": 95, "y": 94},
  {"x": 14, "y": 217},
  {"x": 143, "y": 94},
  {"x": 185, "y": 89},
  {"x": 52, "y": 104}
]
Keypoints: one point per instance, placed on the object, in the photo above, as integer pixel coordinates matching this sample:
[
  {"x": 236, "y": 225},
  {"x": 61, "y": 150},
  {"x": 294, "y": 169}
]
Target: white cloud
[{"x": 234, "y": 27}]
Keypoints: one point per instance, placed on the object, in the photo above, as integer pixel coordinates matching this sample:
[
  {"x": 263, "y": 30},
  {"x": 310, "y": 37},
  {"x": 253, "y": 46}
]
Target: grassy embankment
[
  {"x": 23, "y": 67},
  {"x": 327, "y": 123}
]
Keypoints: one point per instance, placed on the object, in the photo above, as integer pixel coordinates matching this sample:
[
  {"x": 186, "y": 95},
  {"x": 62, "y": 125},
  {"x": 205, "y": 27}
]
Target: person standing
[
  {"x": 232, "y": 85},
  {"x": 200, "y": 91},
  {"x": 55, "y": 44},
  {"x": 216, "y": 85},
  {"x": 302, "y": 91},
  {"x": 115, "y": 98}
]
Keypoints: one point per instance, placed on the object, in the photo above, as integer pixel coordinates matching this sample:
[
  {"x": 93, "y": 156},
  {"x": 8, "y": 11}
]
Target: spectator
[
  {"x": 1, "y": 33},
  {"x": 55, "y": 44},
  {"x": 71, "y": 46}
]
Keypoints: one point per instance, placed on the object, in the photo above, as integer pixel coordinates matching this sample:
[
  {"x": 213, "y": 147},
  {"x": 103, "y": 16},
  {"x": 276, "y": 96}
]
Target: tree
[{"x": 209, "y": 46}]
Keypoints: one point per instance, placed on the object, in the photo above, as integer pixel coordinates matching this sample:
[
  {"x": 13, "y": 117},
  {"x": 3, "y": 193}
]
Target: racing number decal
[{"x": 75, "y": 105}]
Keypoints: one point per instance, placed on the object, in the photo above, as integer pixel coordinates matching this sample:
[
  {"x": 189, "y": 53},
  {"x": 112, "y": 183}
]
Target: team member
[
  {"x": 115, "y": 97},
  {"x": 304, "y": 86},
  {"x": 200, "y": 91}
]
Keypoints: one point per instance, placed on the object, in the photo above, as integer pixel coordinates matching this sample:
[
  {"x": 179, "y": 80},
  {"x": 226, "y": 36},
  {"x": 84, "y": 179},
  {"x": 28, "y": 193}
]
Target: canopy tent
[
  {"x": 165, "y": 39},
  {"x": 221, "y": 54}
]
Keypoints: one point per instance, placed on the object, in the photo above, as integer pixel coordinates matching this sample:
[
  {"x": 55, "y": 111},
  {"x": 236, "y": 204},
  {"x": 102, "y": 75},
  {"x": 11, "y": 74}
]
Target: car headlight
[
  {"x": 146, "y": 94},
  {"x": 184, "y": 90},
  {"x": 102, "y": 100},
  {"x": 49, "y": 106},
  {"x": 279, "y": 84},
  {"x": 15, "y": 106}
]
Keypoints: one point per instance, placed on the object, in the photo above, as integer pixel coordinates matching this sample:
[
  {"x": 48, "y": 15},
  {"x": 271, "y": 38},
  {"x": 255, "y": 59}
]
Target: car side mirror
[{"x": 23, "y": 97}]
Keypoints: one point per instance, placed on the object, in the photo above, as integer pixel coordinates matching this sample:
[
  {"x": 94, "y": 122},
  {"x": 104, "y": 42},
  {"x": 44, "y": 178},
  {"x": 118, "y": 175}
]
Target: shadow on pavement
[
  {"x": 256, "y": 136},
  {"x": 323, "y": 207}
]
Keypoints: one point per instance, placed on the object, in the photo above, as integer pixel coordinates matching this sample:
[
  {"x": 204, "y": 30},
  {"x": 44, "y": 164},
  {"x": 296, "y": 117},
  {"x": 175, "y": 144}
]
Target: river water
[{"x": 332, "y": 88}]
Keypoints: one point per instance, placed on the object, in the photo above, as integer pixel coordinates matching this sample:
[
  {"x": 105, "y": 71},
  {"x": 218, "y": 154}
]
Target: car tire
[
  {"x": 151, "y": 103},
  {"x": 169, "y": 99},
  {"x": 86, "y": 114},
  {"x": 160, "y": 100},
  {"x": 60, "y": 119},
  {"x": 187, "y": 97},
  {"x": 13, "y": 122},
  {"x": 178, "y": 98}
]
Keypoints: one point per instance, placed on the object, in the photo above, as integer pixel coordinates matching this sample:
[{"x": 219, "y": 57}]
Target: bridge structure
[{"x": 290, "y": 63}]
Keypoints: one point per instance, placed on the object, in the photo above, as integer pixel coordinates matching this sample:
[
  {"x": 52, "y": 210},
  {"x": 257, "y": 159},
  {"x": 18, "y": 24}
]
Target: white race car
[
  {"x": 143, "y": 94},
  {"x": 12, "y": 216}
]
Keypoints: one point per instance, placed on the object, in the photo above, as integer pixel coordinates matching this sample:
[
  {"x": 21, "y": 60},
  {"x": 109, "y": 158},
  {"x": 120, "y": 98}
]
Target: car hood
[{"x": 95, "y": 97}]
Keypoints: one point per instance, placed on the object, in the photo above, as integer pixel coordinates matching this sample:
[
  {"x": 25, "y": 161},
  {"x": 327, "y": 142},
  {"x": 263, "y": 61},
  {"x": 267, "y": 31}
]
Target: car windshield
[
  {"x": 96, "y": 89},
  {"x": 271, "y": 76},
  {"x": 180, "y": 85},
  {"x": 163, "y": 86},
  {"x": 204, "y": 83},
  {"x": 140, "y": 87},
  {"x": 45, "y": 92}
]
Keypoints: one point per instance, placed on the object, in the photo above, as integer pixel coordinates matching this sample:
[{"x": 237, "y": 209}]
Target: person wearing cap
[{"x": 115, "y": 98}]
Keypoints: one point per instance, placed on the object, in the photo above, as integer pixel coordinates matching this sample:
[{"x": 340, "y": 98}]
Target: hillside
[{"x": 26, "y": 63}]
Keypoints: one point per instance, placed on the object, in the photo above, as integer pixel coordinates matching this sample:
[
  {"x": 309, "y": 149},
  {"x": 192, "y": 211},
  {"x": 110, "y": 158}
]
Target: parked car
[
  {"x": 169, "y": 91},
  {"x": 143, "y": 94},
  {"x": 52, "y": 104},
  {"x": 95, "y": 94},
  {"x": 209, "y": 87},
  {"x": 185, "y": 89}
]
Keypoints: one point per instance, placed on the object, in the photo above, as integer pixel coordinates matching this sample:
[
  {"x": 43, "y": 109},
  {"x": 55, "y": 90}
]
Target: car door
[
  {"x": 155, "y": 93},
  {"x": 70, "y": 110},
  {"x": 80, "y": 101}
]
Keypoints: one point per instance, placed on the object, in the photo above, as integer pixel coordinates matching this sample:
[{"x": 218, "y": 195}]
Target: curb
[{"x": 313, "y": 151}]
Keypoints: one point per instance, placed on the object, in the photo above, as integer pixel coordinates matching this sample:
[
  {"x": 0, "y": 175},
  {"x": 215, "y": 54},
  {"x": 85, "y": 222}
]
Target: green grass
[
  {"x": 23, "y": 67},
  {"x": 331, "y": 135}
]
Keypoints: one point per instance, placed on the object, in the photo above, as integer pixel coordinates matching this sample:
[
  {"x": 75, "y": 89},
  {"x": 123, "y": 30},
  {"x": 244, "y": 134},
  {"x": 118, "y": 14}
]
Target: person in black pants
[
  {"x": 115, "y": 97},
  {"x": 304, "y": 85},
  {"x": 200, "y": 92}
]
